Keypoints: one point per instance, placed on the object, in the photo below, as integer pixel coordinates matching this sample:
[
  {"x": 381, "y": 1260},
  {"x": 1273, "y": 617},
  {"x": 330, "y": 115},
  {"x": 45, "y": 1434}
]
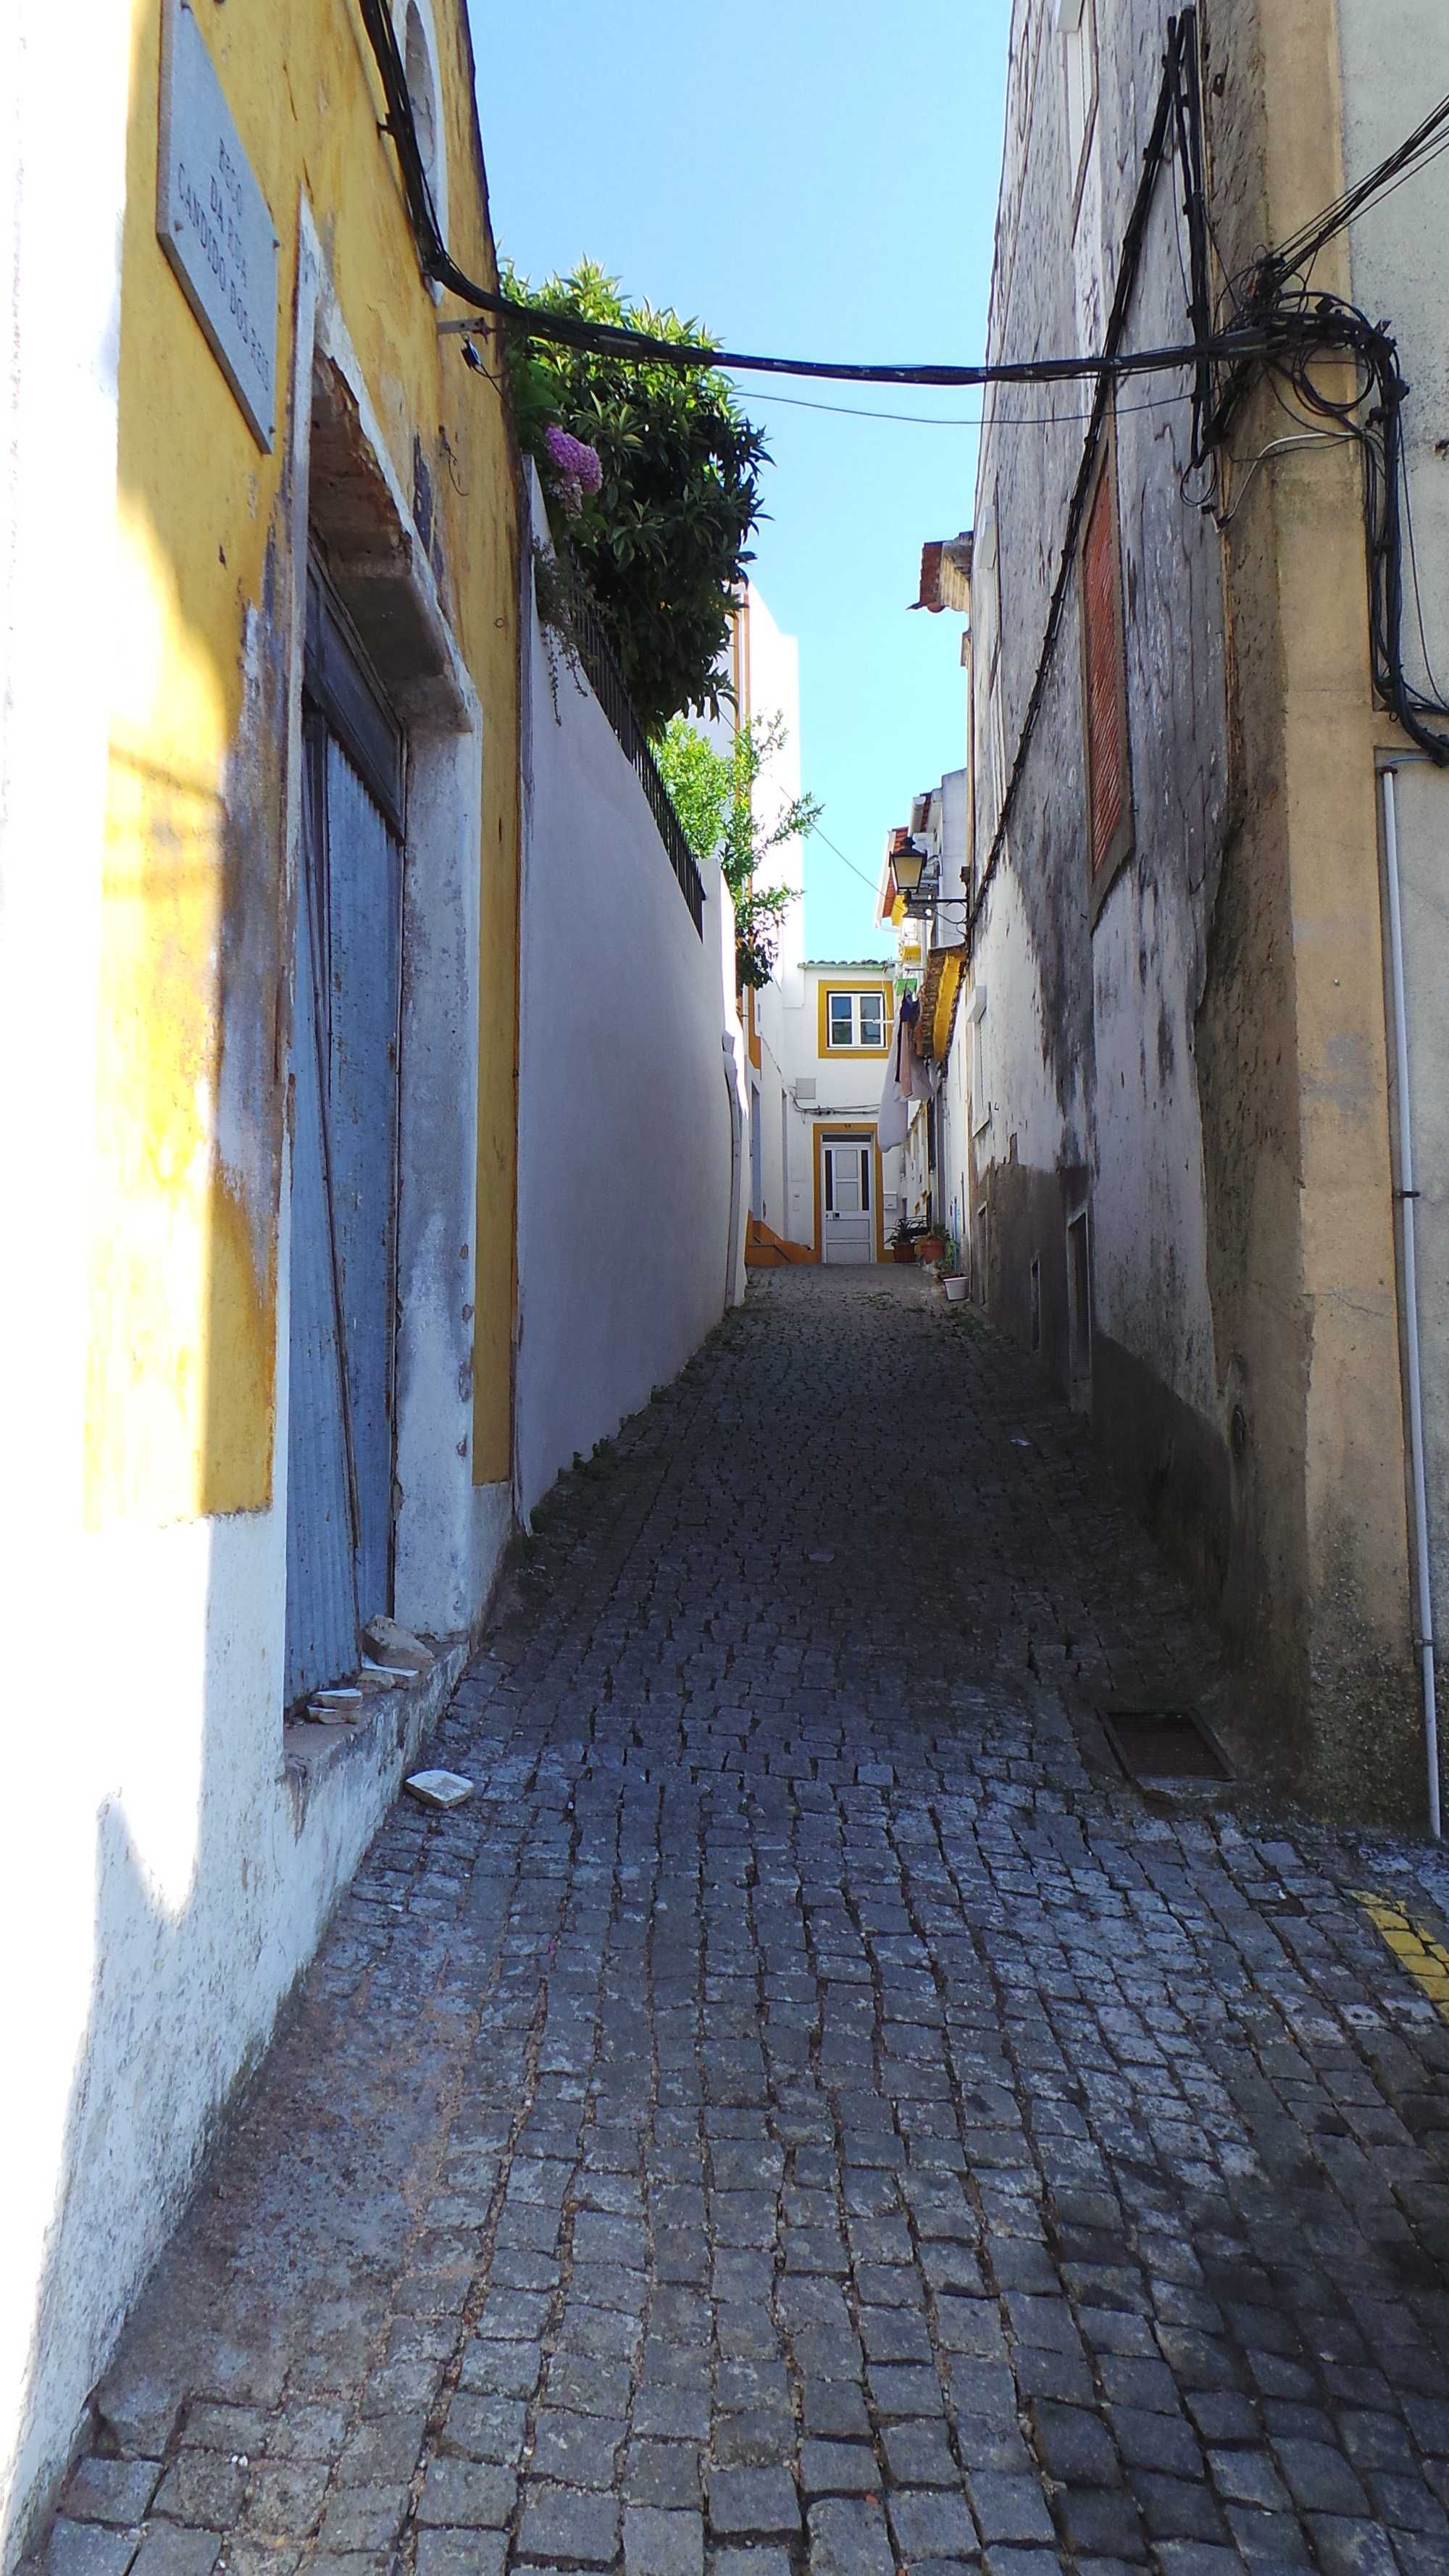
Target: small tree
[
  {"x": 661, "y": 544},
  {"x": 713, "y": 794}
]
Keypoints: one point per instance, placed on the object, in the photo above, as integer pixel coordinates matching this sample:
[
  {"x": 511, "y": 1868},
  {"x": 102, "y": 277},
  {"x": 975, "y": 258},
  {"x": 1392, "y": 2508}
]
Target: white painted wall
[
  {"x": 624, "y": 1146},
  {"x": 185, "y": 1851},
  {"x": 58, "y": 410}
]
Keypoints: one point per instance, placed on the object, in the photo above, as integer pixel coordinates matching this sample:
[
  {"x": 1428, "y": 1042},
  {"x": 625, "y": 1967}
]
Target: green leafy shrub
[
  {"x": 713, "y": 793},
  {"x": 663, "y": 544}
]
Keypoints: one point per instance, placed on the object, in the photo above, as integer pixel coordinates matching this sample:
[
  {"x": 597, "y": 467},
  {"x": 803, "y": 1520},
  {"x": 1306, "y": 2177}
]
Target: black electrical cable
[
  {"x": 606, "y": 339},
  {"x": 1423, "y": 145},
  {"x": 1309, "y": 331},
  {"x": 1268, "y": 321}
]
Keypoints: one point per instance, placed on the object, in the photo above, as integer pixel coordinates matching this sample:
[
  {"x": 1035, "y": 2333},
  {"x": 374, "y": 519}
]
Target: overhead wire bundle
[{"x": 1269, "y": 317}]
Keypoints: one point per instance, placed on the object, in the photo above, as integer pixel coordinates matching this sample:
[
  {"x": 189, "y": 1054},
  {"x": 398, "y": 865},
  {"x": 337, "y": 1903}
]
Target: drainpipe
[{"x": 1408, "y": 1205}]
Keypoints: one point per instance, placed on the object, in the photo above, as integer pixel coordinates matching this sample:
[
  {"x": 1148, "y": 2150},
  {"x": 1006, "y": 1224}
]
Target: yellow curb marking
[{"x": 1426, "y": 1959}]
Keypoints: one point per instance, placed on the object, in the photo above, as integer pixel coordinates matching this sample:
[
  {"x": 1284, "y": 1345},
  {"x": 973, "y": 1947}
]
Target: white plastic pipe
[{"x": 1408, "y": 1247}]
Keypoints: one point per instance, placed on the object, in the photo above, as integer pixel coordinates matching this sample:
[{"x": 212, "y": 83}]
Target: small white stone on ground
[{"x": 439, "y": 1788}]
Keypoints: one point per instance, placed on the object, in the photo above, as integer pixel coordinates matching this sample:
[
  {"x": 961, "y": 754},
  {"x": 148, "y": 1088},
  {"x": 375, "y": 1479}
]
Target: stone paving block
[
  {"x": 756, "y": 2437},
  {"x": 753, "y": 2503},
  {"x": 114, "y": 2491},
  {"x": 575, "y": 2450},
  {"x": 168, "y": 2550},
  {"x": 919, "y": 2454},
  {"x": 500, "y": 2369},
  {"x": 1075, "y": 2446},
  {"x": 565, "y": 2524},
  {"x": 1177, "y": 2508},
  {"x": 837, "y": 2468},
  {"x": 461, "y": 2553},
  {"x": 204, "y": 2488},
  {"x": 228, "y": 2428},
  {"x": 312, "y": 2431},
  {"x": 1350, "y": 2545},
  {"x": 1009, "y": 2509},
  {"x": 89, "y": 2549},
  {"x": 467, "y": 2494},
  {"x": 284, "y": 2497},
  {"x": 1319, "y": 2478},
  {"x": 662, "y": 2544},
  {"x": 478, "y": 2428},
  {"x": 365, "y": 2518},
  {"x": 929, "y": 2523},
  {"x": 665, "y": 2474},
  {"x": 834, "y": 2408},
  {"x": 1195, "y": 2558},
  {"x": 849, "y": 2538},
  {"x": 1099, "y": 2522},
  {"x": 1420, "y": 2557}
]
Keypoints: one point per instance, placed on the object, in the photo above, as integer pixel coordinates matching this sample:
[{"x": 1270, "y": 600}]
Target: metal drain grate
[{"x": 1163, "y": 1744}]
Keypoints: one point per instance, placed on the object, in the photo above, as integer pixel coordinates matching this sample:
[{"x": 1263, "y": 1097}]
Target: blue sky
[{"x": 817, "y": 182}]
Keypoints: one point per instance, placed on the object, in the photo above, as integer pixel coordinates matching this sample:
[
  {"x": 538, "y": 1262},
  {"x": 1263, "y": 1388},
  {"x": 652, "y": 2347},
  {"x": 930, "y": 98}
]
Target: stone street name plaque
[{"x": 213, "y": 223}]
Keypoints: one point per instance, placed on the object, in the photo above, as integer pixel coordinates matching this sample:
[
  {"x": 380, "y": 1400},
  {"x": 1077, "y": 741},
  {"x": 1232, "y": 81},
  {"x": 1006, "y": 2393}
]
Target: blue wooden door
[
  {"x": 346, "y": 1021},
  {"x": 364, "y": 965},
  {"x": 321, "y": 1582}
]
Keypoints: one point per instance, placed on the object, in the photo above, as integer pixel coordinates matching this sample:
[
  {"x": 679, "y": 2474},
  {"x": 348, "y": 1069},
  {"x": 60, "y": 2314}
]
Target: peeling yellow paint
[
  {"x": 181, "y": 1368},
  {"x": 172, "y": 1275}
]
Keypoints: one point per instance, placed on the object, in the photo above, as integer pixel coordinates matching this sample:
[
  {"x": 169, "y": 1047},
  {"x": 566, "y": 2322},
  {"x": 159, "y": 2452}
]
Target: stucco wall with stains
[
  {"x": 149, "y": 790},
  {"x": 1086, "y": 1035}
]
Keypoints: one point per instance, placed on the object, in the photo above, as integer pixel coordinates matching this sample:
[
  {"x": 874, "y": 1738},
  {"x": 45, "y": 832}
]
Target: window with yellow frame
[{"x": 855, "y": 1019}]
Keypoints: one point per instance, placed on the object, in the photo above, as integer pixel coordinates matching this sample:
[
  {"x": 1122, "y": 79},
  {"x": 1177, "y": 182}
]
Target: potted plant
[
  {"x": 901, "y": 1245},
  {"x": 953, "y": 1271},
  {"x": 930, "y": 1245}
]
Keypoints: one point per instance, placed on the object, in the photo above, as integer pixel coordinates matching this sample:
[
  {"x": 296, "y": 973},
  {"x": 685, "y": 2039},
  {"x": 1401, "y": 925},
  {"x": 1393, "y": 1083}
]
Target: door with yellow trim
[{"x": 847, "y": 1206}]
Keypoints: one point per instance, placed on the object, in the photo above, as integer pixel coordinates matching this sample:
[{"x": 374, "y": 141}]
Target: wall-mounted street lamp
[
  {"x": 918, "y": 882},
  {"x": 908, "y": 865}
]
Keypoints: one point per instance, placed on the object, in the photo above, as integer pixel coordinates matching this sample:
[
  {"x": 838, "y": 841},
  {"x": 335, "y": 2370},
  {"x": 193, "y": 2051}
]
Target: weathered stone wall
[
  {"x": 1088, "y": 1035},
  {"x": 1203, "y": 1062}
]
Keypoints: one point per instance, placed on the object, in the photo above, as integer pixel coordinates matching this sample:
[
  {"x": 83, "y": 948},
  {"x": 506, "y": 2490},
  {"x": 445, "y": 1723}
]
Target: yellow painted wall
[
  {"x": 1291, "y": 1035},
  {"x": 192, "y": 1039}
]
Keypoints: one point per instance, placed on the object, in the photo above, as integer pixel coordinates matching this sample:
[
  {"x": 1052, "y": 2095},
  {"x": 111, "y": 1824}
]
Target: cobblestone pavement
[{"x": 806, "y": 2113}]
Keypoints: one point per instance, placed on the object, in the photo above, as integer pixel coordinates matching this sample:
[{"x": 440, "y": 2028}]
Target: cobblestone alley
[{"x": 807, "y": 2112}]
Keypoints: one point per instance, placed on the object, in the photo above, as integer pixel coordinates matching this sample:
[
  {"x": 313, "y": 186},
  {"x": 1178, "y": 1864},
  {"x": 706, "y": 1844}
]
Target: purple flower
[{"x": 575, "y": 466}]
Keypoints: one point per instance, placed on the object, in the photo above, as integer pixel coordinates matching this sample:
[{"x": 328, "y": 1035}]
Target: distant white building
[
  {"x": 818, "y": 1035},
  {"x": 832, "y": 1043}
]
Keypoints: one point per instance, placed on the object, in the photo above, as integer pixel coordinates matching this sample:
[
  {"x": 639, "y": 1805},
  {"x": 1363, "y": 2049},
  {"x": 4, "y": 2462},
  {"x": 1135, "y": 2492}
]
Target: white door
[{"x": 848, "y": 1217}]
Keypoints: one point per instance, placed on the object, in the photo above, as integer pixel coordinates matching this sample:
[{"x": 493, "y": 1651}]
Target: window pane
[
  {"x": 841, "y": 1027},
  {"x": 870, "y": 1020}
]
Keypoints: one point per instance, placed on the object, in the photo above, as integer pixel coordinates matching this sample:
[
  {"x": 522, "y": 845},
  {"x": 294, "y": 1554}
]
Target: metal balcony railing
[{"x": 607, "y": 682}]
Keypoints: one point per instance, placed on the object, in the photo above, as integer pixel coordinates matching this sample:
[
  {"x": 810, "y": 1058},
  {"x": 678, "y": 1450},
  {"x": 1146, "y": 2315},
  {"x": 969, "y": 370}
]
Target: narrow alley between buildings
[{"x": 807, "y": 2111}]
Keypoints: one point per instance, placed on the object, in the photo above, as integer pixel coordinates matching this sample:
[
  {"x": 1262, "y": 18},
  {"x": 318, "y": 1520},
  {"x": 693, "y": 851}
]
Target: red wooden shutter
[{"x": 1106, "y": 746}]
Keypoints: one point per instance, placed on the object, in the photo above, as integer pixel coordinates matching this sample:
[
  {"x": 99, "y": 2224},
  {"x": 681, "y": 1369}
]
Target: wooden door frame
[{"x": 865, "y": 1131}]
